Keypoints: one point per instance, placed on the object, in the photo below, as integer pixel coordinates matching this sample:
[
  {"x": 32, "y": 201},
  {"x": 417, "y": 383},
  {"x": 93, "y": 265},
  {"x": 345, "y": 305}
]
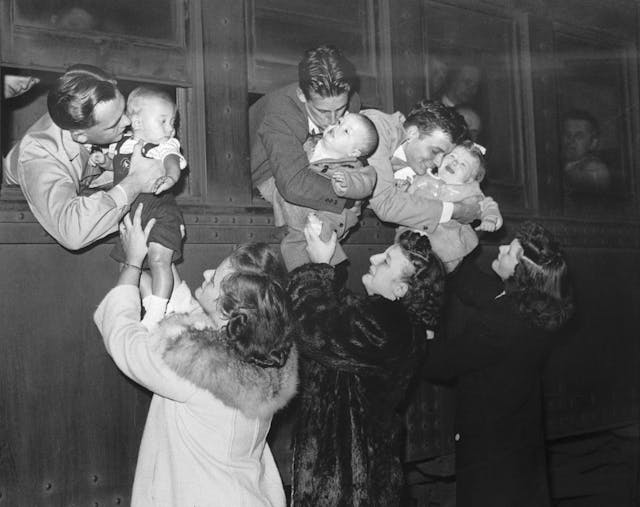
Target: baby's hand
[
  {"x": 339, "y": 183},
  {"x": 98, "y": 159},
  {"x": 488, "y": 225},
  {"x": 162, "y": 184},
  {"x": 490, "y": 216}
]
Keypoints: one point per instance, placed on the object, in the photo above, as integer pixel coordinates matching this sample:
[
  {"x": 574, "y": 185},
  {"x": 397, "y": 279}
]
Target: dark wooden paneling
[
  {"x": 618, "y": 18},
  {"x": 615, "y": 16},
  {"x": 56, "y": 49},
  {"x": 226, "y": 99},
  {"x": 591, "y": 379},
  {"x": 70, "y": 422},
  {"x": 279, "y": 31},
  {"x": 406, "y": 26},
  {"x": 545, "y": 109}
]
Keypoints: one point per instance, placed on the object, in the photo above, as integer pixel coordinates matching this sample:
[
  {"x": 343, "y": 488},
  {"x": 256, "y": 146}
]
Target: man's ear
[
  {"x": 412, "y": 132},
  {"x": 400, "y": 289},
  {"x": 136, "y": 122},
  {"x": 79, "y": 136},
  {"x": 593, "y": 145},
  {"x": 300, "y": 95}
]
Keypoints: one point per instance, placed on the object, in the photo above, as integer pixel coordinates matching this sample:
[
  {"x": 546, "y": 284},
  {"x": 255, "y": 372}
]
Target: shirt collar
[
  {"x": 71, "y": 147},
  {"x": 313, "y": 128},
  {"x": 399, "y": 153}
]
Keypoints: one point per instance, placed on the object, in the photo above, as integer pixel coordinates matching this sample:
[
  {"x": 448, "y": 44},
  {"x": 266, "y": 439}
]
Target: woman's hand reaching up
[
  {"x": 319, "y": 251},
  {"x": 134, "y": 242}
]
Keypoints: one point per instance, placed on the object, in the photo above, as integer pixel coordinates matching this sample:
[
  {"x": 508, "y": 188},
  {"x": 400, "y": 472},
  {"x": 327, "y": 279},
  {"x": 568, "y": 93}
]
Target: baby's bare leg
[{"x": 155, "y": 305}]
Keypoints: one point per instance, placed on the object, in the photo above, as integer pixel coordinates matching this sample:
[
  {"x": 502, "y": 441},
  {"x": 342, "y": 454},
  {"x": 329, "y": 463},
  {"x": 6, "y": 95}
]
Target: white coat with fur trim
[{"x": 204, "y": 442}]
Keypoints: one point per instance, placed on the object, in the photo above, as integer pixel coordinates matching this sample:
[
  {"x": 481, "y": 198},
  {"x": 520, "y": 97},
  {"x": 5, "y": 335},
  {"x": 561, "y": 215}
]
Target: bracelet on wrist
[{"x": 128, "y": 265}]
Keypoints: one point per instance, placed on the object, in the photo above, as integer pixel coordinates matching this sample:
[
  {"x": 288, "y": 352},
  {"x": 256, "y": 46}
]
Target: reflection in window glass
[
  {"x": 470, "y": 65},
  {"x": 283, "y": 29},
  {"x": 154, "y": 19},
  {"x": 592, "y": 127}
]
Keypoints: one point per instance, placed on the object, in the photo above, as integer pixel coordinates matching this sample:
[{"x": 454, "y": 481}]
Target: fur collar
[{"x": 197, "y": 352}]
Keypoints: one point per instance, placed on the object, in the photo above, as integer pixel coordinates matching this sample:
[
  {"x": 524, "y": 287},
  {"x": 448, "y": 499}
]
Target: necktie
[{"x": 310, "y": 143}]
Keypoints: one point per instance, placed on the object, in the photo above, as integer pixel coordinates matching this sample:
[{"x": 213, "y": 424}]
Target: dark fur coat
[
  {"x": 358, "y": 355},
  {"x": 201, "y": 355}
]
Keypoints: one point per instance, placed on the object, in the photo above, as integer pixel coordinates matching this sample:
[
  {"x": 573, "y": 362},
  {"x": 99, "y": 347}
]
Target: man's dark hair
[
  {"x": 581, "y": 114},
  {"x": 75, "y": 94},
  {"x": 431, "y": 115},
  {"x": 326, "y": 72}
]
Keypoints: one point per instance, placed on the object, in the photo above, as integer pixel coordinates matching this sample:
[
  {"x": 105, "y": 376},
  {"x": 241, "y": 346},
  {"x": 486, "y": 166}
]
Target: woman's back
[
  {"x": 204, "y": 440},
  {"x": 203, "y": 452}
]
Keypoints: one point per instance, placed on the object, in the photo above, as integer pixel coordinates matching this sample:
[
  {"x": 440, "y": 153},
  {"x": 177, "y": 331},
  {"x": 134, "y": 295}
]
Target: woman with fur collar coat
[
  {"x": 496, "y": 360},
  {"x": 217, "y": 375},
  {"x": 358, "y": 354}
]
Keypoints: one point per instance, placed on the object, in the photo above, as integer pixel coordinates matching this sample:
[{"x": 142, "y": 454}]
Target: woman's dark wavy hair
[
  {"x": 259, "y": 258},
  {"x": 425, "y": 295},
  {"x": 75, "y": 94},
  {"x": 257, "y": 306},
  {"x": 540, "y": 283}
]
